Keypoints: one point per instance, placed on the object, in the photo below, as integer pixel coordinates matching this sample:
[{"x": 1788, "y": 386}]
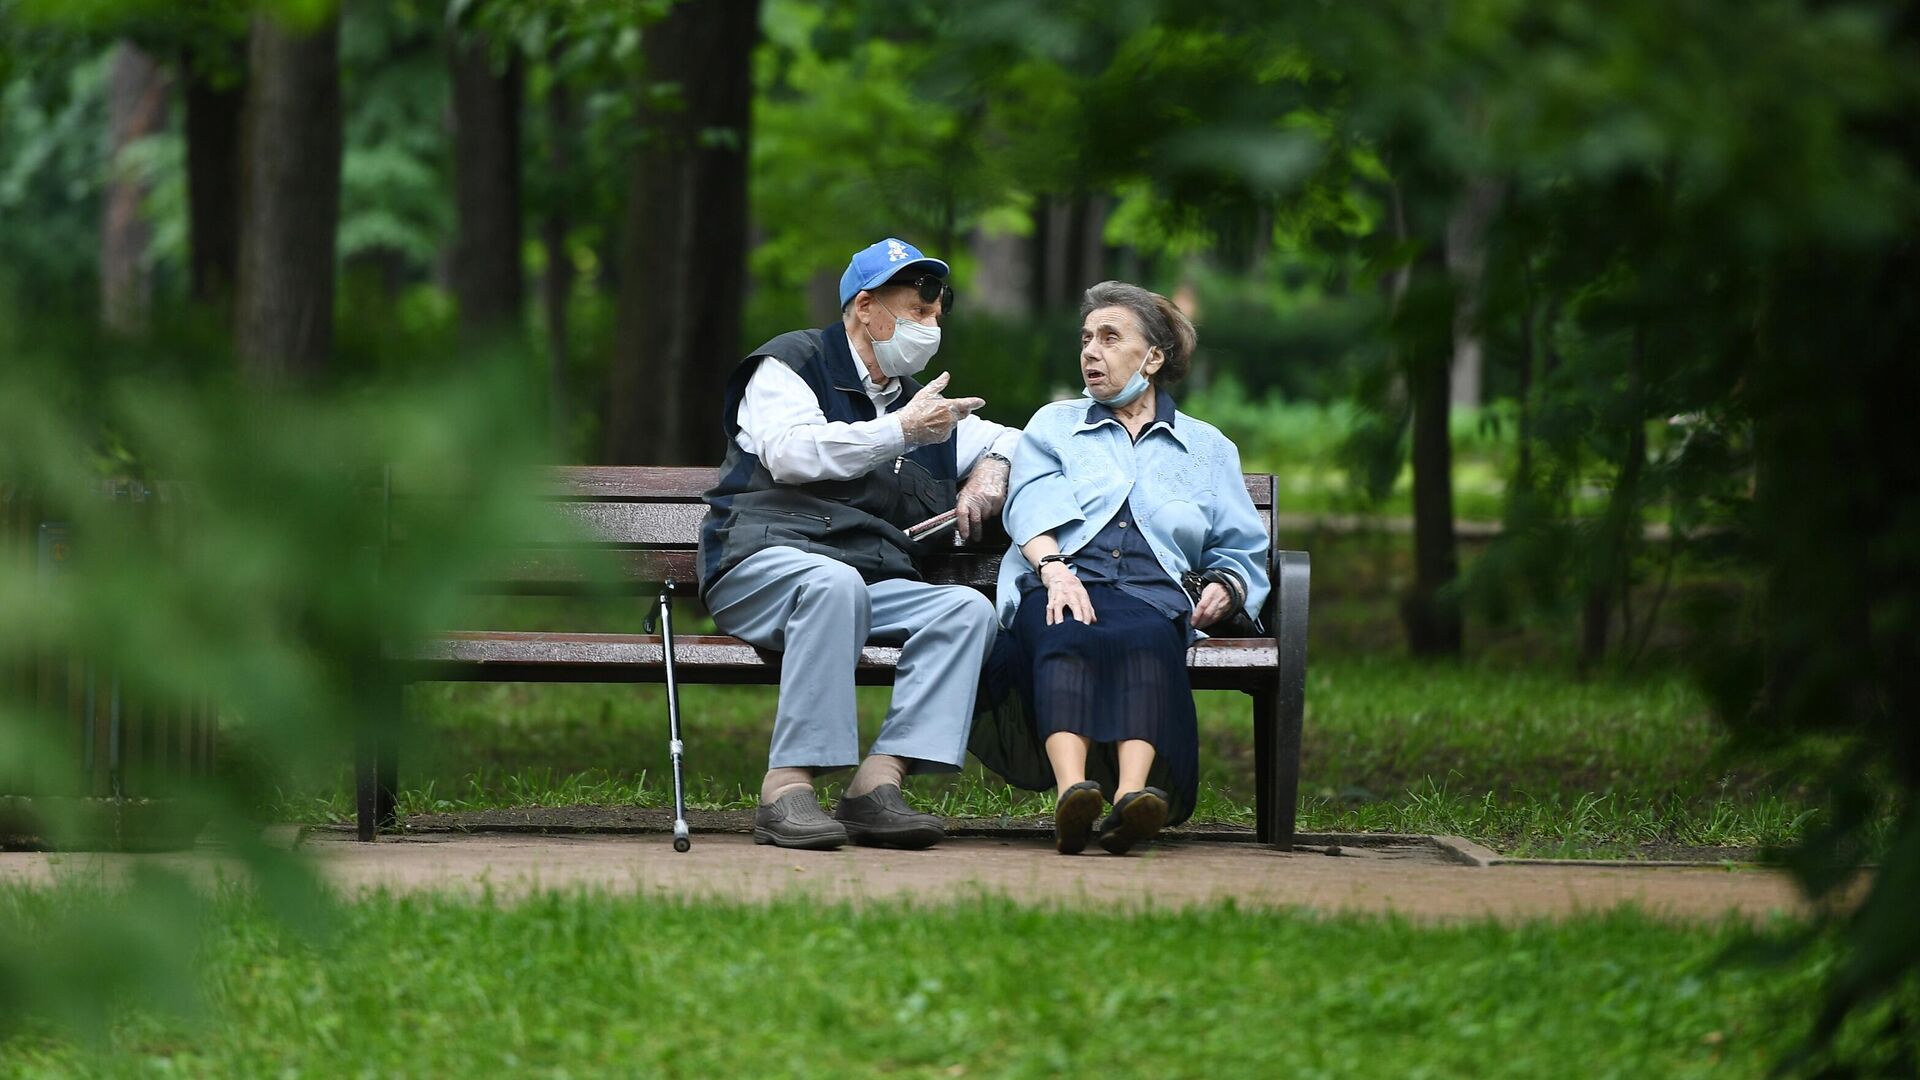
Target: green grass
[
  {"x": 1380, "y": 724},
  {"x": 1525, "y": 760},
  {"x": 1508, "y": 747},
  {"x": 576, "y": 984},
  {"x": 1583, "y": 826}
]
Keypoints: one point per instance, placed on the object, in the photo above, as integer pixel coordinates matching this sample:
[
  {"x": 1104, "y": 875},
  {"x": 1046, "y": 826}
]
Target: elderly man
[{"x": 833, "y": 452}]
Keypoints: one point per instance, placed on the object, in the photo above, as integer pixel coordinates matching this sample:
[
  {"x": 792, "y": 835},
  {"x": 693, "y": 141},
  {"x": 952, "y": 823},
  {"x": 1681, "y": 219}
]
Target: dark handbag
[{"x": 1236, "y": 624}]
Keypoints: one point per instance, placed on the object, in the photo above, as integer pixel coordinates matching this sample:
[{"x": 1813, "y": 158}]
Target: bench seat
[{"x": 520, "y": 656}]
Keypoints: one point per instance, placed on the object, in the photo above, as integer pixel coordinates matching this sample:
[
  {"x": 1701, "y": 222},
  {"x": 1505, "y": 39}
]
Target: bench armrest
[{"x": 1292, "y": 577}]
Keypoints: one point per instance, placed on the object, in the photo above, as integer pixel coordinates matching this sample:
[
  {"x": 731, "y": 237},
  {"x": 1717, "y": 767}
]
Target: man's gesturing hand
[
  {"x": 984, "y": 493},
  {"x": 929, "y": 418}
]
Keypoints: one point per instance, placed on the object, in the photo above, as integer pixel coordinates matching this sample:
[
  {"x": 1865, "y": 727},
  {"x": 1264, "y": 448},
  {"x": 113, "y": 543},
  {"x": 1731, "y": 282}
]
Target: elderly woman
[{"x": 1113, "y": 502}]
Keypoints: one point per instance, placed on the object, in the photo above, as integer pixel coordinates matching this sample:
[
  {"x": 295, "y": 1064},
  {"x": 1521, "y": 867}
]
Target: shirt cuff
[{"x": 893, "y": 438}]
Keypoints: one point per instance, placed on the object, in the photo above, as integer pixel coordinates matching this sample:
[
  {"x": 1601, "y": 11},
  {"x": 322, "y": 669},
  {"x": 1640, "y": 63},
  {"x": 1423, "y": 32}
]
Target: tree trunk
[
  {"x": 1523, "y": 435},
  {"x": 1068, "y": 251},
  {"x": 1432, "y": 620},
  {"x": 1084, "y": 253},
  {"x": 1260, "y": 242},
  {"x": 683, "y": 259},
  {"x": 557, "y": 288},
  {"x": 136, "y": 108},
  {"x": 214, "y": 103},
  {"x": 1466, "y": 262},
  {"x": 1053, "y": 229},
  {"x": 1596, "y": 619},
  {"x": 1038, "y": 258},
  {"x": 1003, "y": 283},
  {"x": 823, "y": 296},
  {"x": 1612, "y": 558},
  {"x": 290, "y": 201},
  {"x": 488, "y": 281}
]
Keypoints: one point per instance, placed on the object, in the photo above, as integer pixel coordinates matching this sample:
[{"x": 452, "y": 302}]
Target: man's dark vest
[{"x": 857, "y": 521}]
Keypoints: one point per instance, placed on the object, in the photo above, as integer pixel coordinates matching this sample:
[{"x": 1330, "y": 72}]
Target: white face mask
[{"x": 908, "y": 350}]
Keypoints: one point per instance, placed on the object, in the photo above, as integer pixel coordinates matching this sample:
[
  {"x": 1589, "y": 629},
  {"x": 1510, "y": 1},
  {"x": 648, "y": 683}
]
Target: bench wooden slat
[
  {"x": 563, "y": 571},
  {"x": 576, "y": 523},
  {"x": 638, "y": 571},
  {"x": 614, "y": 482},
  {"x": 541, "y": 656},
  {"x": 643, "y": 524},
  {"x": 646, "y": 524},
  {"x": 672, "y": 484},
  {"x": 635, "y": 571}
]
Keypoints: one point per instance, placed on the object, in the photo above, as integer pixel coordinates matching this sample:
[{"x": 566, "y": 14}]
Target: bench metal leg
[
  {"x": 386, "y": 763},
  {"x": 1279, "y": 708},
  {"x": 376, "y": 759},
  {"x": 365, "y": 770},
  {"x": 1263, "y": 795},
  {"x": 1276, "y": 739}
]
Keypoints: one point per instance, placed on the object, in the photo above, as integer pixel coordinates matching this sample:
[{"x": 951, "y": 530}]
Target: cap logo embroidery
[{"x": 895, "y": 251}]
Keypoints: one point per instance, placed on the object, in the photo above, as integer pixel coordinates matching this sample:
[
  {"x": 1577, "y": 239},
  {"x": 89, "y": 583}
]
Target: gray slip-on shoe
[
  {"x": 882, "y": 818},
  {"x": 795, "y": 820},
  {"x": 1137, "y": 817},
  {"x": 1073, "y": 817}
]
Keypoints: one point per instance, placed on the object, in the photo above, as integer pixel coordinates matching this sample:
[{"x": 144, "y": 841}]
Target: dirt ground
[{"x": 1412, "y": 877}]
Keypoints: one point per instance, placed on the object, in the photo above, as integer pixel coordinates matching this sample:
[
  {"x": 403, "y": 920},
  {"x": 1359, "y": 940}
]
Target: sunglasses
[{"x": 930, "y": 289}]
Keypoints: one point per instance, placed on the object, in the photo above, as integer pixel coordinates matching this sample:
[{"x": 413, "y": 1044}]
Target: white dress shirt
[{"x": 781, "y": 424}]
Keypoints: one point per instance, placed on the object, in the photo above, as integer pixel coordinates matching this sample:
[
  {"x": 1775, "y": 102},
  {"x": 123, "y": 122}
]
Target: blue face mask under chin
[{"x": 1129, "y": 393}]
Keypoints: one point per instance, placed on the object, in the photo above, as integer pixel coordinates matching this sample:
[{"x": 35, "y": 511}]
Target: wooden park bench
[{"x": 645, "y": 523}]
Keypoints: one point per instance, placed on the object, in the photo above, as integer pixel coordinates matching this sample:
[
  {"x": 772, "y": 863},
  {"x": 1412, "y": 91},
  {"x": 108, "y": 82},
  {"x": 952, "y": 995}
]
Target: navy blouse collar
[{"x": 1099, "y": 412}]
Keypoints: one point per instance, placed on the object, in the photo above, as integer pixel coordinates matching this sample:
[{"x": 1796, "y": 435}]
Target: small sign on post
[{"x": 56, "y": 548}]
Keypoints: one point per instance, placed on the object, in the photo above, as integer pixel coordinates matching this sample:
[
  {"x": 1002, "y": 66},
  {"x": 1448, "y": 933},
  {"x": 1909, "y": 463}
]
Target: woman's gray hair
[{"x": 1160, "y": 319}]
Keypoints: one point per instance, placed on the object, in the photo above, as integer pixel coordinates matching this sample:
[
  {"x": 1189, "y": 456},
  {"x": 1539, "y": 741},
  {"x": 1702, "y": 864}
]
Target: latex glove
[
  {"x": 1065, "y": 595},
  {"x": 930, "y": 418},
  {"x": 981, "y": 497},
  {"x": 1215, "y": 603}
]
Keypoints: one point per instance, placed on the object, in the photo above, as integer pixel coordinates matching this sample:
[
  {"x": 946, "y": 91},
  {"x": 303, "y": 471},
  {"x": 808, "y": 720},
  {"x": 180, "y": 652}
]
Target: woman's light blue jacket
[{"x": 1076, "y": 465}]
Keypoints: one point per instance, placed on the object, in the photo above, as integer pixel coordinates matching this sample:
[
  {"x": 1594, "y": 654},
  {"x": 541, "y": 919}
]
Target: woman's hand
[
  {"x": 1215, "y": 603},
  {"x": 1065, "y": 594}
]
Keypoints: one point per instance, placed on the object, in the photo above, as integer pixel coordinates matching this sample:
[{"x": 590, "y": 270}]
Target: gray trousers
[{"x": 819, "y": 612}]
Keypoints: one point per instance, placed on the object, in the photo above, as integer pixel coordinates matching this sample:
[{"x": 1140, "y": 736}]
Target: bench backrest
[{"x": 631, "y": 527}]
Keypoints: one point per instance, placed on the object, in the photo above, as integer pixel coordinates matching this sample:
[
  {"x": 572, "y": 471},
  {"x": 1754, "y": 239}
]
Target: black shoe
[
  {"x": 1074, "y": 815},
  {"x": 882, "y": 818},
  {"x": 795, "y": 820},
  {"x": 1136, "y": 818}
]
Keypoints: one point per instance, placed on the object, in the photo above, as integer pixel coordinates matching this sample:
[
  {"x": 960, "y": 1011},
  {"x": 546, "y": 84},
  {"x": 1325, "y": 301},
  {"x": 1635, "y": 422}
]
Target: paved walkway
[{"x": 1412, "y": 879}]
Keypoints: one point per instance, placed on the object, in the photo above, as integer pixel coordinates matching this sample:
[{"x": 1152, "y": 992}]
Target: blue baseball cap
[{"x": 875, "y": 265}]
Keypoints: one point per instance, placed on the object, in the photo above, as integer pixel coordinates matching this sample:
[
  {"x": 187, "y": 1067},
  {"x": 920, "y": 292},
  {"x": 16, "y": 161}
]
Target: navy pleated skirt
[{"x": 1124, "y": 676}]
